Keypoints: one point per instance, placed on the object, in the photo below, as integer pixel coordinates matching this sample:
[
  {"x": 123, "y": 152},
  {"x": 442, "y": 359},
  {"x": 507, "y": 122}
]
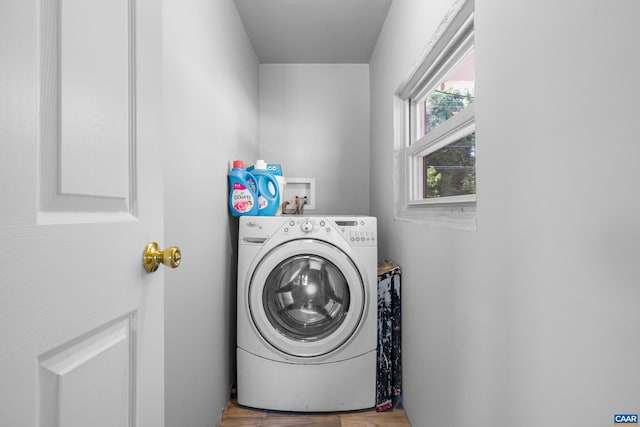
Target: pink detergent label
[
  {"x": 262, "y": 202},
  {"x": 241, "y": 199},
  {"x": 238, "y": 186}
]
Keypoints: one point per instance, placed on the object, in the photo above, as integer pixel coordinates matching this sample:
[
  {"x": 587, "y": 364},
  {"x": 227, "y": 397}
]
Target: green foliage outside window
[
  {"x": 451, "y": 170},
  {"x": 441, "y": 105}
]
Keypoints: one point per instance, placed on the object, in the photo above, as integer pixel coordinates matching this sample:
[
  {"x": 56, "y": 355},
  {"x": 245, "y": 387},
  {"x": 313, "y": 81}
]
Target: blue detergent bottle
[
  {"x": 243, "y": 199},
  {"x": 268, "y": 189}
]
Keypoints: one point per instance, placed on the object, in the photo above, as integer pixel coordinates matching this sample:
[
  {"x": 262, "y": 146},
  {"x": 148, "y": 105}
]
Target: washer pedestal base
[{"x": 325, "y": 387}]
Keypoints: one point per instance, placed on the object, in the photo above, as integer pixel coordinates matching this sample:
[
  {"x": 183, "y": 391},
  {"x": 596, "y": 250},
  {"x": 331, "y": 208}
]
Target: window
[{"x": 435, "y": 128}]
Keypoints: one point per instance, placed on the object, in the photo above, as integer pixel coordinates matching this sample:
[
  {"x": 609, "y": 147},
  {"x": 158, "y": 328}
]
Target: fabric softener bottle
[
  {"x": 243, "y": 199},
  {"x": 268, "y": 189}
]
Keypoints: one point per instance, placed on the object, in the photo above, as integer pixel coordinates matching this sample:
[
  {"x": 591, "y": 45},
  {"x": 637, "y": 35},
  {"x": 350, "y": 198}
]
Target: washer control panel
[
  {"x": 307, "y": 226},
  {"x": 304, "y": 226},
  {"x": 356, "y": 230}
]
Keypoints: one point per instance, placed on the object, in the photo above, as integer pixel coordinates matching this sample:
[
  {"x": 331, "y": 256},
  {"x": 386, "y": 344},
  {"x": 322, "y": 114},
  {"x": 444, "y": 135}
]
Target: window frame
[{"x": 454, "y": 38}]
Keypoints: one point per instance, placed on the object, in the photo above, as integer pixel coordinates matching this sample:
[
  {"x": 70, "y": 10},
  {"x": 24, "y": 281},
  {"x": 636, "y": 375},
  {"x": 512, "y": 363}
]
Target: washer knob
[{"x": 306, "y": 226}]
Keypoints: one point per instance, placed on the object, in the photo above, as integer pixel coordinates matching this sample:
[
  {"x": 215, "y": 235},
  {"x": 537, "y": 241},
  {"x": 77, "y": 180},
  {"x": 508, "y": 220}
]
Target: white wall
[
  {"x": 314, "y": 121},
  {"x": 531, "y": 320},
  {"x": 211, "y": 117}
]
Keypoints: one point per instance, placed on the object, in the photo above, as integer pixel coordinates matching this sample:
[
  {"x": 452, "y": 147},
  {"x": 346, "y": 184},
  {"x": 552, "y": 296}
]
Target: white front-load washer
[{"x": 307, "y": 312}]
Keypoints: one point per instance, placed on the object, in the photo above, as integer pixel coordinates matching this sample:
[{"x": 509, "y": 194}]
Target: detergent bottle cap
[
  {"x": 261, "y": 164},
  {"x": 238, "y": 164}
]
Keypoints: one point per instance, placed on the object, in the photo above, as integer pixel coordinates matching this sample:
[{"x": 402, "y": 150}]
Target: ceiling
[{"x": 313, "y": 31}]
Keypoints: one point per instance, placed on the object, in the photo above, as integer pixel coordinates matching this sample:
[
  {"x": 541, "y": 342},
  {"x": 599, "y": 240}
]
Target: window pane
[
  {"x": 452, "y": 95},
  {"x": 451, "y": 171}
]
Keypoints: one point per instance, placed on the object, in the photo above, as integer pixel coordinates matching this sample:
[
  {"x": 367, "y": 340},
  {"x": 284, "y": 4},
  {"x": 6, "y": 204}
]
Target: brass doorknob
[{"x": 153, "y": 257}]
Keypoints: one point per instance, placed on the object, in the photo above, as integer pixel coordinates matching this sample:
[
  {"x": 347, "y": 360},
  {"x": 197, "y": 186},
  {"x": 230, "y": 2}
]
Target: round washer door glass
[{"x": 306, "y": 297}]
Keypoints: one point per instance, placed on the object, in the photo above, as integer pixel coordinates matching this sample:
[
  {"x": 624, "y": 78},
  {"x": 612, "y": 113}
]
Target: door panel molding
[
  {"x": 90, "y": 378},
  {"x": 88, "y": 109}
]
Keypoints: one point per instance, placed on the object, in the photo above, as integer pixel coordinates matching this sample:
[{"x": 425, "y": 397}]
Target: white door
[{"x": 81, "y": 322}]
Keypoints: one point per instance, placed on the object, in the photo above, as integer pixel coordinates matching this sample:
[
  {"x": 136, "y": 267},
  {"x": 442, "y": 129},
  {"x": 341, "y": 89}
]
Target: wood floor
[{"x": 238, "y": 416}]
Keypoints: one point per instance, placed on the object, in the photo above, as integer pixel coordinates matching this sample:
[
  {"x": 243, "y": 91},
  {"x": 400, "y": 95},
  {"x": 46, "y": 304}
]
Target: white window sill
[
  {"x": 459, "y": 215},
  {"x": 451, "y": 200}
]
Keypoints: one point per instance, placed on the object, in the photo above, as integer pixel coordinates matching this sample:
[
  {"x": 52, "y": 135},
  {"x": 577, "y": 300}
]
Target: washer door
[{"x": 306, "y": 298}]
